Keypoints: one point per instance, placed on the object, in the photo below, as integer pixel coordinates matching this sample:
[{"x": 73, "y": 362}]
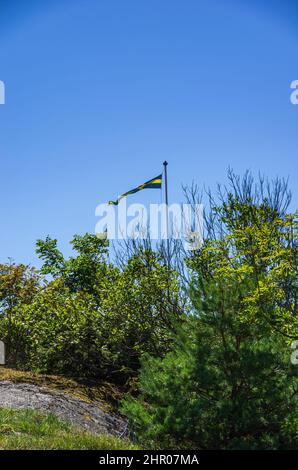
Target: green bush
[{"x": 91, "y": 319}]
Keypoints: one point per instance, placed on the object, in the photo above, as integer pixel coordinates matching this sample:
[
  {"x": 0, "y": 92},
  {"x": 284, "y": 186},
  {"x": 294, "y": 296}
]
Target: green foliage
[
  {"x": 92, "y": 319},
  {"x": 18, "y": 287},
  {"x": 229, "y": 383},
  {"x": 86, "y": 271},
  {"x": 258, "y": 255},
  {"x": 219, "y": 377},
  {"x": 143, "y": 309},
  {"x": 219, "y": 389}
]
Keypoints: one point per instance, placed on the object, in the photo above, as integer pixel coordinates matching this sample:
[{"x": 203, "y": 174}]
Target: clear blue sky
[{"x": 100, "y": 92}]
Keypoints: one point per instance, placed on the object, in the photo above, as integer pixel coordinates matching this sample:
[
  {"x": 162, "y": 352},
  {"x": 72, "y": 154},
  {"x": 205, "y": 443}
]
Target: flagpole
[{"x": 165, "y": 164}]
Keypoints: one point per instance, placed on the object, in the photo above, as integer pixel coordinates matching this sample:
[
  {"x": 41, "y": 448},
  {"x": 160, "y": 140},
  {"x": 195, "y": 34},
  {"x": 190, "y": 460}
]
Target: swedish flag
[{"x": 154, "y": 183}]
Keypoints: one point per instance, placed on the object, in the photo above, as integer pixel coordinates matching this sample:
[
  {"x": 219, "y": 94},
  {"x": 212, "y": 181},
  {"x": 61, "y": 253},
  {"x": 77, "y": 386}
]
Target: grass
[{"x": 31, "y": 430}]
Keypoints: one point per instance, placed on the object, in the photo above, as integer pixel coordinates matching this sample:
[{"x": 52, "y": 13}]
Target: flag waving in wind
[{"x": 154, "y": 183}]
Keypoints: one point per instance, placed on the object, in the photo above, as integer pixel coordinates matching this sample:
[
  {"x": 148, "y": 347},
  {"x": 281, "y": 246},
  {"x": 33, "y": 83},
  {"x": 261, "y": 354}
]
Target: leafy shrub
[{"x": 92, "y": 319}]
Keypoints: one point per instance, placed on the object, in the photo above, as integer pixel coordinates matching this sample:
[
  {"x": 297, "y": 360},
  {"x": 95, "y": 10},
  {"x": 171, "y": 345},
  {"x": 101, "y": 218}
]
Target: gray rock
[{"x": 80, "y": 414}]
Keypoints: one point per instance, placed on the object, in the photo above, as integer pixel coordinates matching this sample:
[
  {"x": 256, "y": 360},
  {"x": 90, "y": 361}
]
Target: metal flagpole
[{"x": 165, "y": 164}]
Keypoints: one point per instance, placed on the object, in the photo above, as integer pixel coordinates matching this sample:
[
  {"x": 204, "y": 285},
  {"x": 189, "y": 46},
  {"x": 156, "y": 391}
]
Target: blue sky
[{"x": 100, "y": 92}]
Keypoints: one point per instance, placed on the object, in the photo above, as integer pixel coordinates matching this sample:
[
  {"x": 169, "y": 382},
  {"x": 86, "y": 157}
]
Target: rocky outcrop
[{"x": 80, "y": 414}]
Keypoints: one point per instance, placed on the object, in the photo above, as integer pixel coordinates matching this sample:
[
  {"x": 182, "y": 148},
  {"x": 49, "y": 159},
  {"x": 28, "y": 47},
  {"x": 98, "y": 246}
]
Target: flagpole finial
[{"x": 165, "y": 163}]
